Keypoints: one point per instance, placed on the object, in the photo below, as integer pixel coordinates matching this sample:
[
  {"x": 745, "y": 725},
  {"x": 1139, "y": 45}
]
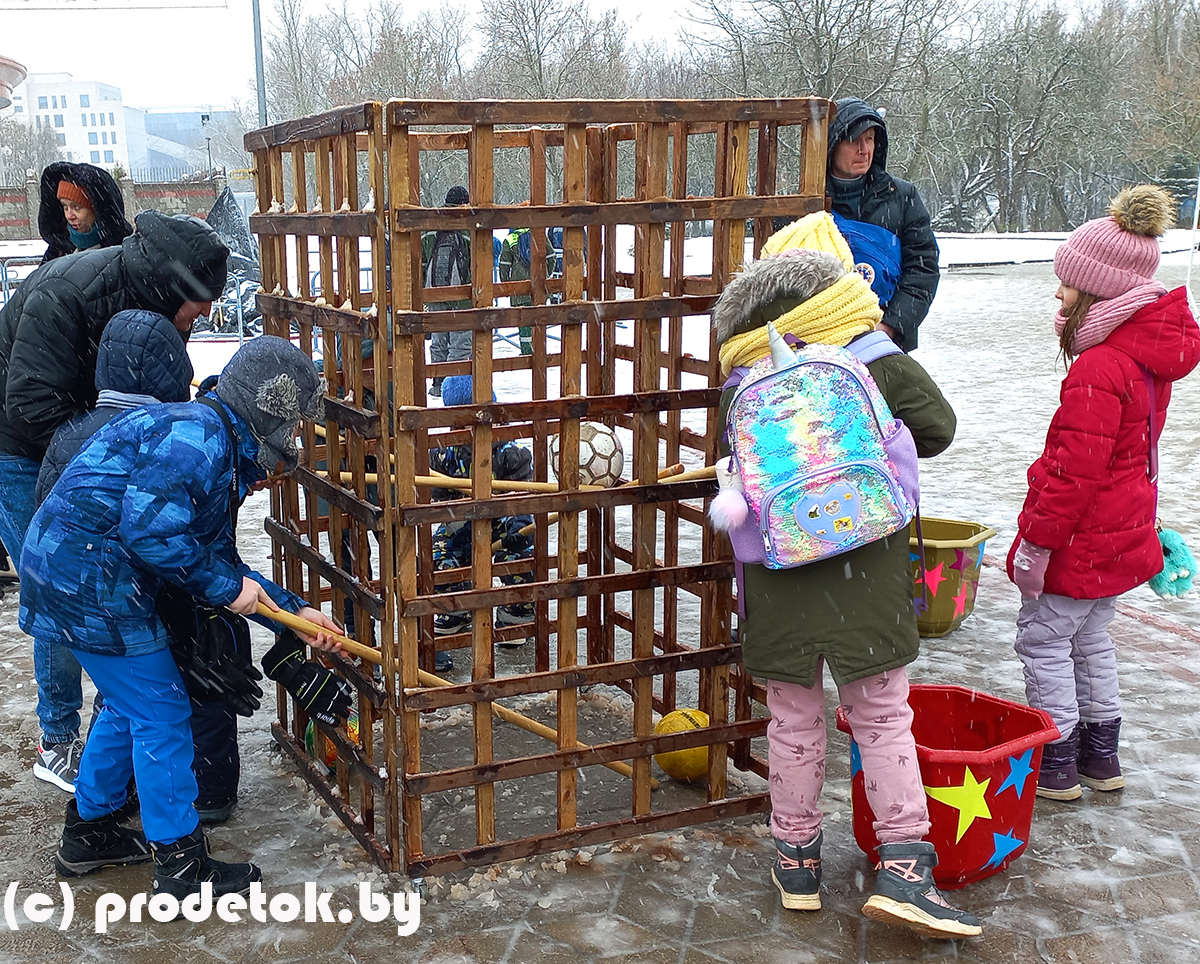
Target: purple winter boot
[
  {"x": 1058, "y": 778},
  {"x": 1099, "y": 767}
]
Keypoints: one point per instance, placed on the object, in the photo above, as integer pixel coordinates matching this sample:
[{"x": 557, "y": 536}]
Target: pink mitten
[{"x": 1029, "y": 569}]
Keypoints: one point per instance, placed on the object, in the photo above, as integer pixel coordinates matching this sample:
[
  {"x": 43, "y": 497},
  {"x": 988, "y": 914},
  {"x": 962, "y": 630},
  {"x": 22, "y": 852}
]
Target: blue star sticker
[
  {"x": 1004, "y": 844},
  {"x": 855, "y": 759},
  {"x": 913, "y": 556},
  {"x": 1018, "y": 773}
]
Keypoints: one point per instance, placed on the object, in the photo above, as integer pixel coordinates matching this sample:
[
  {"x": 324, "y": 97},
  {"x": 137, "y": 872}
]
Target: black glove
[
  {"x": 323, "y": 695},
  {"x": 211, "y": 647},
  {"x": 516, "y": 544}
]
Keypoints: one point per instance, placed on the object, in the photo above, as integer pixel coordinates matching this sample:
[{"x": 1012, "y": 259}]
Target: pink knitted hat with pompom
[{"x": 1110, "y": 256}]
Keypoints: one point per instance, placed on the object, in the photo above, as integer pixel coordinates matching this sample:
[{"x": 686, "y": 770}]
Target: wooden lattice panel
[{"x": 632, "y": 592}]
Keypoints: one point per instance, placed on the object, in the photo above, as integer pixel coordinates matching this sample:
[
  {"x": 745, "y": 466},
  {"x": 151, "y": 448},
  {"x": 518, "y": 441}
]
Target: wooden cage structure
[{"x": 632, "y": 592}]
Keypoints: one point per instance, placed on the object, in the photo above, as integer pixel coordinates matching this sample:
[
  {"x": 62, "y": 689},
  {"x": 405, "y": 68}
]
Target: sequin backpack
[{"x": 817, "y": 459}]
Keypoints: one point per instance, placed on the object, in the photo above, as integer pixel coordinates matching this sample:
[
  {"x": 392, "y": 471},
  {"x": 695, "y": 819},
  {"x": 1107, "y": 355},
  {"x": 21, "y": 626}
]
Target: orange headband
[{"x": 73, "y": 192}]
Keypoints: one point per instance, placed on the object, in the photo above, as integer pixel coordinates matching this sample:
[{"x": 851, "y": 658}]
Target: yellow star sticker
[{"x": 966, "y": 799}]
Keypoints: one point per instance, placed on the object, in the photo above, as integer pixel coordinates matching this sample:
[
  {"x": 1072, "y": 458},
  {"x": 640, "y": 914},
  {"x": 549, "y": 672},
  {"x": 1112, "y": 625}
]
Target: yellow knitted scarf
[{"x": 834, "y": 316}]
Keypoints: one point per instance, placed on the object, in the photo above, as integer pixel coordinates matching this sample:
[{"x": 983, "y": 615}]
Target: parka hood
[
  {"x": 142, "y": 353},
  {"x": 171, "y": 260},
  {"x": 102, "y": 191},
  {"x": 769, "y": 288},
  {"x": 855, "y": 115}
]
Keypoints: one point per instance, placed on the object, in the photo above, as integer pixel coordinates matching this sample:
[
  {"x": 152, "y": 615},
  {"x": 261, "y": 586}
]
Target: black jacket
[
  {"x": 107, "y": 202},
  {"x": 50, "y": 329},
  {"x": 891, "y": 203},
  {"x": 142, "y": 359}
]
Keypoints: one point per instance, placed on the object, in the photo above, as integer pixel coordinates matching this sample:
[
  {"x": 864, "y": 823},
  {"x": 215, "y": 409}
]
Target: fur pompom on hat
[
  {"x": 1110, "y": 256},
  {"x": 271, "y": 384}
]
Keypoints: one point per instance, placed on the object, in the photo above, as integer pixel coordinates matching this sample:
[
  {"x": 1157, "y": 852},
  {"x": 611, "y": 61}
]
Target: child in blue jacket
[{"x": 147, "y": 503}]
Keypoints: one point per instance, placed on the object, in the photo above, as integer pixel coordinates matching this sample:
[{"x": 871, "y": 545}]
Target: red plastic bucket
[{"x": 979, "y": 757}]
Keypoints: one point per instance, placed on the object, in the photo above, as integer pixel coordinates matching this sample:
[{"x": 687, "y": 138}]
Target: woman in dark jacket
[{"x": 81, "y": 208}]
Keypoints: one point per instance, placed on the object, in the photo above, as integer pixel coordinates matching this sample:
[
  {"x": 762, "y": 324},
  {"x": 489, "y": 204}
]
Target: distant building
[
  {"x": 93, "y": 125},
  {"x": 87, "y": 117}
]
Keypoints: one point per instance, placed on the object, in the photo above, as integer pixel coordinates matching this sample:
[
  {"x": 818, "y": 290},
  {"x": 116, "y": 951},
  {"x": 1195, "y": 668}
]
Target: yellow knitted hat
[{"x": 816, "y": 232}]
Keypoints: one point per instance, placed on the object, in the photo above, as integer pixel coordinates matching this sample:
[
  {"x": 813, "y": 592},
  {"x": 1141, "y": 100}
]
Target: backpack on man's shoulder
[
  {"x": 449, "y": 261},
  {"x": 818, "y": 465}
]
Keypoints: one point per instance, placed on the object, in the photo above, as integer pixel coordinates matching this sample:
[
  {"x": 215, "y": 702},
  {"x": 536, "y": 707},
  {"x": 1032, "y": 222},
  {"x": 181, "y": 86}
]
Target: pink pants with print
[{"x": 881, "y": 722}]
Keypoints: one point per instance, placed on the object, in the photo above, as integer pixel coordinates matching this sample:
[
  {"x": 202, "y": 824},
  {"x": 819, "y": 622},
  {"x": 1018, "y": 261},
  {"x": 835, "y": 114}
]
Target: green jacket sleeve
[{"x": 916, "y": 400}]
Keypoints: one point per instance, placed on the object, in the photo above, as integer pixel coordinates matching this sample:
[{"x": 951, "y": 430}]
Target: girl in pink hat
[{"x": 1087, "y": 531}]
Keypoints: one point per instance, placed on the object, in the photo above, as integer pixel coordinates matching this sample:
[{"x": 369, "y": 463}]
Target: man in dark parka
[{"x": 861, "y": 189}]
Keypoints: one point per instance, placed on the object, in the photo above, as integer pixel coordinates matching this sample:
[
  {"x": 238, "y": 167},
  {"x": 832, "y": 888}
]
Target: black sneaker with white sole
[
  {"x": 447, "y": 624},
  {"x": 58, "y": 763}
]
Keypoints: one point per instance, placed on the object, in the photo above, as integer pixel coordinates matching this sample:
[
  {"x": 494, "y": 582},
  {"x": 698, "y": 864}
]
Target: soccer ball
[{"x": 601, "y": 457}]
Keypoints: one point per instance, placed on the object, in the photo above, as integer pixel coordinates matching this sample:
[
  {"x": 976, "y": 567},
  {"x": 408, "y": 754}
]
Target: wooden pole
[{"x": 355, "y": 648}]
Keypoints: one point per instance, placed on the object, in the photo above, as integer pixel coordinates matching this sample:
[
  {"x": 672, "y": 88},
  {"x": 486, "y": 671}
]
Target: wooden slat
[
  {"x": 576, "y": 676},
  {"x": 593, "y": 834},
  {"x": 569, "y": 214},
  {"x": 339, "y": 224},
  {"x": 331, "y": 573},
  {"x": 342, "y": 120},
  {"x": 794, "y": 110},
  {"x": 568, "y": 759}
]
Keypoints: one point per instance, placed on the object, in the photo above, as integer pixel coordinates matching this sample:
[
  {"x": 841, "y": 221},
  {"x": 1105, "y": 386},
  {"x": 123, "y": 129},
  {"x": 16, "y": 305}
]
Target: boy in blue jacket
[{"x": 147, "y": 502}]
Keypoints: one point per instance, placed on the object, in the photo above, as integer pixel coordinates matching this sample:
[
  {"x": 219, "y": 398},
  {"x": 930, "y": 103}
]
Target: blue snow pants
[{"x": 144, "y": 730}]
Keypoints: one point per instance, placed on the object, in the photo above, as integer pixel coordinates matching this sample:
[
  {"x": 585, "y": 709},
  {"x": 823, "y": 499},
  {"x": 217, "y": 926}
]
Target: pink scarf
[{"x": 1105, "y": 316}]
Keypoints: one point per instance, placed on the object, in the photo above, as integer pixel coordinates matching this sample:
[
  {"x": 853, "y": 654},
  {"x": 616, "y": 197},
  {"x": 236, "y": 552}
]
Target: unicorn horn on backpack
[{"x": 781, "y": 354}]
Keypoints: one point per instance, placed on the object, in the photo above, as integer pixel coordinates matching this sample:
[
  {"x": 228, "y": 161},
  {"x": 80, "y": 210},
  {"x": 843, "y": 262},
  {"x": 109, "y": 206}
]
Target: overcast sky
[{"x": 197, "y": 57}]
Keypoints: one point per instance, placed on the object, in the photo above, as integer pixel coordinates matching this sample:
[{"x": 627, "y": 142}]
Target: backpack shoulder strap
[
  {"x": 872, "y": 346},
  {"x": 231, "y": 434}
]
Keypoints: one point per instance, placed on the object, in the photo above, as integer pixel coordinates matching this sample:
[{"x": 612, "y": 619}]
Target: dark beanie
[
  {"x": 271, "y": 384},
  {"x": 457, "y": 195}
]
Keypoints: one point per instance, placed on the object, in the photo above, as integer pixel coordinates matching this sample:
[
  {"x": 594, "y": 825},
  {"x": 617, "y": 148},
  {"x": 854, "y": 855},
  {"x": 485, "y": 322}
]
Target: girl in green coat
[{"x": 852, "y": 613}]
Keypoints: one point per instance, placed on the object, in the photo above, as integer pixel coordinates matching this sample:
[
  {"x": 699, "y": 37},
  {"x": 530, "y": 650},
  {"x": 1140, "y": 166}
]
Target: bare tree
[{"x": 24, "y": 148}]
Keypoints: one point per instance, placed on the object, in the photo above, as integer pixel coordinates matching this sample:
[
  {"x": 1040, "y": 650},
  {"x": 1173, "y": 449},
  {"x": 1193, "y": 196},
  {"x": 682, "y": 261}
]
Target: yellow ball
[{"x": 687, "y": 765}]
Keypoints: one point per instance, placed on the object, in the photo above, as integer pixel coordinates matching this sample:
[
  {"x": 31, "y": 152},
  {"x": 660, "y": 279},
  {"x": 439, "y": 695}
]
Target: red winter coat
[{"x": 1090, "y": 498}]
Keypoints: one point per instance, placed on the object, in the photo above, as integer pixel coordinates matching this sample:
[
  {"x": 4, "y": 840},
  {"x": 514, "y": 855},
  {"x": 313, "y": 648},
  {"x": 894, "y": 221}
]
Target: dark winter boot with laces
[
  {"x": 1058, "y": 778},
  {"x": 88, "y": 845},
  {"x": 797, "y": 874},
  {"x": 1099, "y": 767},
  {"x": 906, "y": 895},
  {"x": 181, "y": 867}
]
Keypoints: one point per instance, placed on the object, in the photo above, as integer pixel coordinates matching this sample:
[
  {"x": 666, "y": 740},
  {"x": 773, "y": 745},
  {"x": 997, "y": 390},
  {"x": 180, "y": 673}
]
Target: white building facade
[{"x": 88, "y": 118}]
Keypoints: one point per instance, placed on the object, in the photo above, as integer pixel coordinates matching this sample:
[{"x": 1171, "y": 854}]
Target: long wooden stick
[{"x": 355, "y": 648}]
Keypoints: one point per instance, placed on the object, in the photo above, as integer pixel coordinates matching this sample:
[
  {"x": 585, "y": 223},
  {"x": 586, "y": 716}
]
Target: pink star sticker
[
  {"x": 960, "y": 601},
  {"x": 934, "y": 578}
]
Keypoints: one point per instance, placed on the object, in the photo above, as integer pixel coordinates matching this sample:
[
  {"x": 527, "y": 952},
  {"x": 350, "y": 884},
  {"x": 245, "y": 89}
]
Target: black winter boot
[
  {"x": 88, "y": 845},
  {"x": 1058, "y": 777},
  {"x": 797, "y": 873},
  {"x": 181, "y": 867},
  {"x": 906, "y": 895},
  {"x": 1099, "y": 767}
]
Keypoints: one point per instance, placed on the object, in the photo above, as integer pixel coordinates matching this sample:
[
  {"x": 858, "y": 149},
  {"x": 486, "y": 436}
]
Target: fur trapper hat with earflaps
[{"x": 271, "y": 384}]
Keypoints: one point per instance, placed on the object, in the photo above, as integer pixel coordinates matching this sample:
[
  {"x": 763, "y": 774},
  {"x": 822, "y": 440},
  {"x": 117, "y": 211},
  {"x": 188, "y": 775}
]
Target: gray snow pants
[
  {"x": 450, "y": 346},
  {"x": 1070, "y": 660}
]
